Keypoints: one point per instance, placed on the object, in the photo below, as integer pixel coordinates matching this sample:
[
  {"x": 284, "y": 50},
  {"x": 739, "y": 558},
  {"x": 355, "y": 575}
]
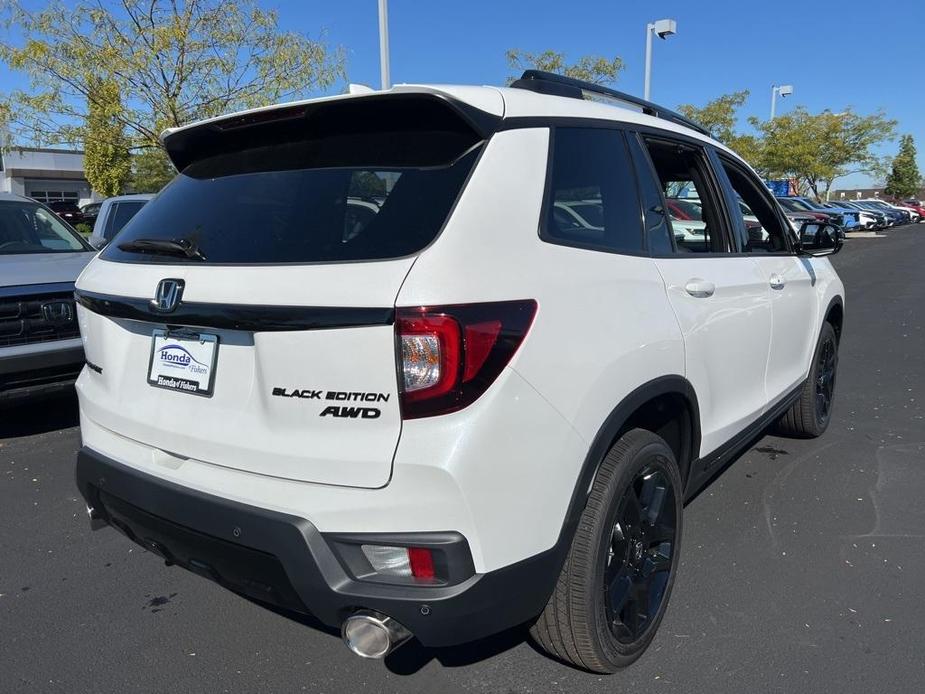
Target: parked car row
[
  {"x": 895, "y": 214},
  {"x": 852, "y": 215}
]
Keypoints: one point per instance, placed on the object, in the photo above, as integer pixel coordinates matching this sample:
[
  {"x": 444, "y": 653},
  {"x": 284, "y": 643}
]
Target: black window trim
[
  {"x": 720, "y": 160},
  {"x": 636, "y": 141},
  {"x": 547, "y": 194}
]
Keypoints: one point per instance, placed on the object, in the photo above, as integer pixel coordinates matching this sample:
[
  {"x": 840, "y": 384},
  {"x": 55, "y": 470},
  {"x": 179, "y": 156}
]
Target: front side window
[
  {"x": 27, "y": 227},
  {"x": 757, "y": 225},
  {"x": 592, "y": 200}
]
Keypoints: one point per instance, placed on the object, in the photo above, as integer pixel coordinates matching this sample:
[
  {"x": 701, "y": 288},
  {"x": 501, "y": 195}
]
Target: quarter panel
[{"x": 603, "y": 326}]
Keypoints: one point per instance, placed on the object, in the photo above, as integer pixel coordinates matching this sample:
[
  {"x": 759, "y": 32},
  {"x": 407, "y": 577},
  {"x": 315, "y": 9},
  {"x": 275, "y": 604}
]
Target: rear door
[
  {"x": 245, "y": 316},
  {"x": 719, "y": 297}
]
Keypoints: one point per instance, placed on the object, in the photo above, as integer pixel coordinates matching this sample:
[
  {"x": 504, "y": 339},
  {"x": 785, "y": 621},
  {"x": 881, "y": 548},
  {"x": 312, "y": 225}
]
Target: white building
[{"x": 45, "y": 174}]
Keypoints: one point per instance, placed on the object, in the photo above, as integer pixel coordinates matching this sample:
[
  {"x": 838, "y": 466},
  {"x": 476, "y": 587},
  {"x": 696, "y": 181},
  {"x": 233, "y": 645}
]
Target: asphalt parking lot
[{"x": 803, "y": 565}]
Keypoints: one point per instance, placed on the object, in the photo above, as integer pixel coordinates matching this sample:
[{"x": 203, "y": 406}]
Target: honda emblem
[{"x": 167, "y": 297}]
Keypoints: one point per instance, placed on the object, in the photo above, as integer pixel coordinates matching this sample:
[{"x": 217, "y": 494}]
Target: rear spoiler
[{"x": 347, "y": 121}]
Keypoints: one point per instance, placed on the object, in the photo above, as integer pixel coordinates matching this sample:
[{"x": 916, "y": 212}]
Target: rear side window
[
  {"x": 351, "y": 181},
  {"x": 120, "y": 216},
  {"x": 592, "y": 200}
]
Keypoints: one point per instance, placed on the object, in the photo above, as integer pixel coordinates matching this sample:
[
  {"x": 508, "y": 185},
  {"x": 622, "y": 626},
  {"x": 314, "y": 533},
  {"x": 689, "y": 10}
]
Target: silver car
[{"x": 40, "y": 257}]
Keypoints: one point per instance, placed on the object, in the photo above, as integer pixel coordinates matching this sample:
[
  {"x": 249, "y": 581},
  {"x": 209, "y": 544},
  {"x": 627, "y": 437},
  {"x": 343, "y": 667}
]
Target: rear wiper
[{"x": 182, "y": 247}]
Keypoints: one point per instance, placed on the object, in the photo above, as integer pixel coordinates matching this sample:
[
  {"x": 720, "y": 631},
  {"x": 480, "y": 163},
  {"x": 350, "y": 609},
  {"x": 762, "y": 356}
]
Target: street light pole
[
  {"x": 384, "y": 44},
  {"x": 783, "y": 90},
  {"x": 664, "y": 28}
]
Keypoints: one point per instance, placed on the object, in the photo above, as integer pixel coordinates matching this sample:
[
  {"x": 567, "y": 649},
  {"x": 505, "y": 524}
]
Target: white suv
[{"x": 452, "y": 415}]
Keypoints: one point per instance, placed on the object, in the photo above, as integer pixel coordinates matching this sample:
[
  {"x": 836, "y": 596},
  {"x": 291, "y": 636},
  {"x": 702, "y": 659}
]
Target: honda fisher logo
[
  {"x": 167, "y": 297},
  {"x": 58, "y": 312}
]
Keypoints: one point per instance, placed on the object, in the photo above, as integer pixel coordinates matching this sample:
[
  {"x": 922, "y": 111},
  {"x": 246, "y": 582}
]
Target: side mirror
[{"x": 820, "y": 238}]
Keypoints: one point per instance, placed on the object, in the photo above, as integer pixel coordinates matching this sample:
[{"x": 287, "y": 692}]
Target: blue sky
[{"x": 836, "y": 53}]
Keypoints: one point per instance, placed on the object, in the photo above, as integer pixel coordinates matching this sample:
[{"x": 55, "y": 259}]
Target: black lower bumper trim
[
  {"x": 284, "y": 560},
  {"x": 34, "y": 373}
]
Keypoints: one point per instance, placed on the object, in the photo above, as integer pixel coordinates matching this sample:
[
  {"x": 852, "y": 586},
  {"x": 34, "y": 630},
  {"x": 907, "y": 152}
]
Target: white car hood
[{"x": 41, "y": 268}]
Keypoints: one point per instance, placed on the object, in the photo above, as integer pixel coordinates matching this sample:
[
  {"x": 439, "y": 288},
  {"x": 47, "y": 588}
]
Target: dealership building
[
  {"x": 866, "y": 193},
  {"x": 47, "y": 175}
]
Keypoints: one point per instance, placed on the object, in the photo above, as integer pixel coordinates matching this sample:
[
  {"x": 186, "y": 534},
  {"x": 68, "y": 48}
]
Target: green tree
[
  {"x": 817, "y": 149},
  {"x": 171, "y": 62},
  {"x": 107, "y": 161},
  {"x": 904, "y": 180},
  {"x": 151, "y": 170},
  {"x": 590, "y": 68},
  {"x": 720, "y": 118}
]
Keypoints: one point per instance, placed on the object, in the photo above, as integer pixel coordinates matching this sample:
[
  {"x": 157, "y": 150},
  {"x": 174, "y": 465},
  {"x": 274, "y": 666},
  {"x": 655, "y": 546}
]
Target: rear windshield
[{"x": 369, "y": 197}]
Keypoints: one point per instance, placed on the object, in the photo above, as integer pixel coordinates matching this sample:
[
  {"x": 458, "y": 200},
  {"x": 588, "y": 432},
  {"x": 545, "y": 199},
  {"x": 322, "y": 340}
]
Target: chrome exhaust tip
[
  {"x": 97, "y": 520},
  {"x": 371, "y": 634}
]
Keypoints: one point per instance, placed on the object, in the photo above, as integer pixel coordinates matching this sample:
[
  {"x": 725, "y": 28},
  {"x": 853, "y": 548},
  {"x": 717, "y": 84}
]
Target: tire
[
  {"x": 583, "y": 626},
  {"x": 810, "y": 415}
]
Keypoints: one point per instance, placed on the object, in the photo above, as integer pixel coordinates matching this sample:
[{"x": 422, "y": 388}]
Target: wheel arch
[
  {"x": 667, "y": 400},
  {"x": 835, "y": 315}
]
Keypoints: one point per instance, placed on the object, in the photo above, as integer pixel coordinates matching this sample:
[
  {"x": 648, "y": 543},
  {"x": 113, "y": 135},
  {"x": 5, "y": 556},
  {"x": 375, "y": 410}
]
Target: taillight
[{"x": 450, "y": 355}]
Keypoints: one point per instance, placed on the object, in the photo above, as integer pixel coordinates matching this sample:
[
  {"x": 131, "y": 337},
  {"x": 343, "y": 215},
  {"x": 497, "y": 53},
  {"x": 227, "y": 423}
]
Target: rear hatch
[{"x": 245, "y": 316}]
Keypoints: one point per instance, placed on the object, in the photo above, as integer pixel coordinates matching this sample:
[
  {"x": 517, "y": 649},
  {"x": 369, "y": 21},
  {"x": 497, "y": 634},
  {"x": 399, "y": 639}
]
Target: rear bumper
[
  {"x": 284, "y": 560},
  {"x": 44, "y": 367}
]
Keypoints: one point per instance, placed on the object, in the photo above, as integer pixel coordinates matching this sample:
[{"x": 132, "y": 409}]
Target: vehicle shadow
[
  {"x": 413, "y": 656},
  {"x": 38, "y": 415}
]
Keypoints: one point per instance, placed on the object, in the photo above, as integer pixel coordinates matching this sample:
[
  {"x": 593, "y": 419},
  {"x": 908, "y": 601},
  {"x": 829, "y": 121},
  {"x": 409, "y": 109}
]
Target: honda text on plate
[{"x": 437, "y": 361}]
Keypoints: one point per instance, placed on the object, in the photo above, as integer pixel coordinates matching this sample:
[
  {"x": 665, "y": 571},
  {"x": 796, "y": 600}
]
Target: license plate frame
[{"x": 189, "y": 366}]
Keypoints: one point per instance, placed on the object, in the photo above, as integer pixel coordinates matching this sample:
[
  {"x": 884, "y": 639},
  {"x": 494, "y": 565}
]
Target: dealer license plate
[{"x": 183, "y": 361}]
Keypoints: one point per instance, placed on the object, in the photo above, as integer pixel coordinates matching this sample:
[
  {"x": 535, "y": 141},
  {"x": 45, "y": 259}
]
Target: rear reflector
[
  {"x": 422, "y": 562},
  {"x": 417, "y": 562},
  {"x": 450, "y": 355}
]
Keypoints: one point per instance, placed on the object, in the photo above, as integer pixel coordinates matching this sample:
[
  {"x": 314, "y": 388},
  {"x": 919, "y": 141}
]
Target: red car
[
  {"x": 68, "y": 211},
  {"x": 915, "y": 205}
]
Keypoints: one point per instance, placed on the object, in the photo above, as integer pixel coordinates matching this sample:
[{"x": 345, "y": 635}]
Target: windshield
[
  {"x": 27, "y": 227},
  {"x": 810, "y": 204},
  {"x": 795, "y": 205}
]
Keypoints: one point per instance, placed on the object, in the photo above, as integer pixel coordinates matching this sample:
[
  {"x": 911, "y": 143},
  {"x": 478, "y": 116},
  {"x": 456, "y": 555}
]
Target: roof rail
[{"x": 559, "y": 85}]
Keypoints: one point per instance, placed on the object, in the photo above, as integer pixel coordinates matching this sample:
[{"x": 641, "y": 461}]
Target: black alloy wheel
[
  {"x": 639, "y": 560},
  {"x": 826, "y": 363},
  {"x": 614, "y": 588}
]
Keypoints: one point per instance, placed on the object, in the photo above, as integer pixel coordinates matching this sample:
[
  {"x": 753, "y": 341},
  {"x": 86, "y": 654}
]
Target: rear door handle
[
  {"x": 701, "y": 289},
  {"x": 777, "y": 282}
]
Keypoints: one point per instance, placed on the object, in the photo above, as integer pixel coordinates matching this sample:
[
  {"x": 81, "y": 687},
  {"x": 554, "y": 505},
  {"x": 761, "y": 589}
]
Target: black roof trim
[{"x": 559, "y": 85}]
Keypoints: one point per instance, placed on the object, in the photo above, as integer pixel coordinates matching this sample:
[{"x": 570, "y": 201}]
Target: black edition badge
[
  {"x": 351, "y": 412},
  {"x": 341, "y": 411}
]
